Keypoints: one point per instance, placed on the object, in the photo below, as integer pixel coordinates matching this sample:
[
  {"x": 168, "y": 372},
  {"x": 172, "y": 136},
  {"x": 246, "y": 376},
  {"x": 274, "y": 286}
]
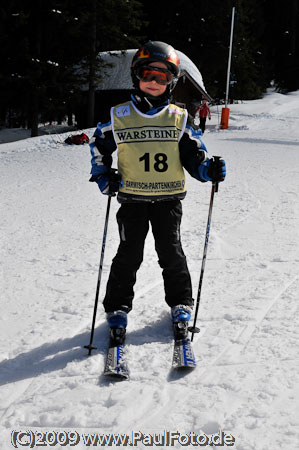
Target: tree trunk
[
  {"x": 69, "y": 114},
  {"x": 37, "y": 53},
  {"x": 34, "y": 114},
  {"x": 92, "y": 66}
]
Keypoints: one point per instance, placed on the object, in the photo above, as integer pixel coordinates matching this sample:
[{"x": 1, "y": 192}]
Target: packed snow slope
[{"x": 246, "y": 383}]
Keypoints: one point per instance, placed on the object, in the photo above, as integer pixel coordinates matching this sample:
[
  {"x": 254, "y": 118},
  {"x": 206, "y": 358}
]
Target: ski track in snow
[{"x": 246, "y": 382}]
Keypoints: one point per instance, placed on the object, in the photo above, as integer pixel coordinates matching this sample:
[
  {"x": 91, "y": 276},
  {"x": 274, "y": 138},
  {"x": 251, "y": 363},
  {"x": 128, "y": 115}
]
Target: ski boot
[
  {"x": 181, "y": 315},
  {"x": 117, "y": 321}
]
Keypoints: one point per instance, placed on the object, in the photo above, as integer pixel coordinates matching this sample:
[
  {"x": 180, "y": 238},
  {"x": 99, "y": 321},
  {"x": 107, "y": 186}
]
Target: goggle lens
[{"x": 161, "y": 76}]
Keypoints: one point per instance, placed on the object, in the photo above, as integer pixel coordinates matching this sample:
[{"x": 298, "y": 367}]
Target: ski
[
  {"x": 183, "y": 355},
  {"x": 116, "y": 364}
]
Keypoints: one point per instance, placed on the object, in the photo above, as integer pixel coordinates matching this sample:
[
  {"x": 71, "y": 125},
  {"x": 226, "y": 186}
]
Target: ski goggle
[{"x": 149, "y": 73}]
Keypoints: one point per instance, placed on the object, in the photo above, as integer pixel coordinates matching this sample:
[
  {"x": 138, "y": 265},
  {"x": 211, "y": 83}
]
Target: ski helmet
[{"x": 153, "y": 51}]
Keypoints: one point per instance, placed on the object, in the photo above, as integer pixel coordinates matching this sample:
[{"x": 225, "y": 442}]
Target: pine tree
[
  {"x": 44, "y": 44},
  {"x": 110, "y": 25},
  {"x": 282, "y": 43}
]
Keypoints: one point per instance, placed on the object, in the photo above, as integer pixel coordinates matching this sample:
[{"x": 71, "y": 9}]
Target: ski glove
[
  {"x": 212, "y": 170},
  {"x": 109, "y": 183}
]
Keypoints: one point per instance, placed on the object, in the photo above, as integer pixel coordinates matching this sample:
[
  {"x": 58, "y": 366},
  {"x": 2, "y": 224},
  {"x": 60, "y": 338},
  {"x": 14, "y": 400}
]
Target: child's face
[{"x": 152, "y": 87}]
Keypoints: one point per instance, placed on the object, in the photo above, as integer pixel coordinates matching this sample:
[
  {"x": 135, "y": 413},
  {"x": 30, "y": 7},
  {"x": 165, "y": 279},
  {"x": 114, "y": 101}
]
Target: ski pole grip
[
  {"x": 115, "y": 178},
  {"x": 216, "y": 184}
]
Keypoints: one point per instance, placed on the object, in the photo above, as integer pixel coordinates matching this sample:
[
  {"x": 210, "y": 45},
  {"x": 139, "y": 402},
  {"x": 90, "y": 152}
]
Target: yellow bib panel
[{"x": 148, "y": 150}]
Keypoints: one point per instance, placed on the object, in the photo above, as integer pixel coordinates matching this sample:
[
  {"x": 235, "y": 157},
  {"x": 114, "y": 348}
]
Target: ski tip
[
  {"x": 184, "y": 368},
  {"x": 180, "y": 372},
  {"x": 116, "y": 365},
  {"x": 183, "y": 355},
  {"x": 117, "y": 376}
]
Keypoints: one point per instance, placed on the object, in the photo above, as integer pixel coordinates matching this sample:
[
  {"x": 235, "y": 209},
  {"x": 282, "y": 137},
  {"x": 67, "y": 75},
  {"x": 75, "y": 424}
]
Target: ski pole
[
  {"x": 90, "y": 347},
  {"x": 214, "y": 189}
]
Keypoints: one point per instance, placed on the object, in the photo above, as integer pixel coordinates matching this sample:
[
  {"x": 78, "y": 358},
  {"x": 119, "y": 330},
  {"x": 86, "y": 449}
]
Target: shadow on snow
[{"x": 51, "y": 357}]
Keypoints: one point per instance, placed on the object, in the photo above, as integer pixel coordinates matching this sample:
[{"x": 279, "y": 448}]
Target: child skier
[{"x": 154, "y": 143}]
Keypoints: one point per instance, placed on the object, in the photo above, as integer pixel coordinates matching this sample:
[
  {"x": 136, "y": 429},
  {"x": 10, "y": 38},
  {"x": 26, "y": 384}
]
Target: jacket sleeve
[
  {"x": 193, "y": 152},
  {"x": 102, "y": 145}
]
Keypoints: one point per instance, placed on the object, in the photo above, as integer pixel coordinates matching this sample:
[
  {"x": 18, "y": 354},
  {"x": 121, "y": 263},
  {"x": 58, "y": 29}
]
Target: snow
[{"x": 246, "y": 383}]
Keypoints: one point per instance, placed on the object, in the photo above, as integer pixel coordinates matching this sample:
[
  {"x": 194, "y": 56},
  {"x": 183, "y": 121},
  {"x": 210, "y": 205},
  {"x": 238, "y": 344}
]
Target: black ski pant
[
  {"x": 133, "y": 222},
  {"x": 202, "y": 124}
]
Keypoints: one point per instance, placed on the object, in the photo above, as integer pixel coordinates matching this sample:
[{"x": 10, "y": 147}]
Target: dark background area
[{"x": 48, "y": 49}]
